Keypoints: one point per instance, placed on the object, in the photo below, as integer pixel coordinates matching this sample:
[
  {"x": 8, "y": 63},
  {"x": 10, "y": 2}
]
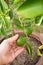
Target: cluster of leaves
[
  {"x": 7, "y": 18},
  {"x": 18, "y": 13},
  {"x": 4, "y": 18},
  {"x": 31, "y": 8},
  {"x": 6, "y": 15}
]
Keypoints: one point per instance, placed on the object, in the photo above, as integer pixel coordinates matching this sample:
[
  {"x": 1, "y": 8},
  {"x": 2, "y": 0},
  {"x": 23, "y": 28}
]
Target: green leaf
[
  {"x": 12, "y": 2},
  {"x": 1, "y": 10},
  {"x": 27, "y": 30},
  {"x": 30, "y": 8},
  {"x": 38, "y": 52},
  {"x": 3, "y": 31},
  {"x": 1, "y": 6},
  {"x": 1, "y": 19},
  {"x": 37, "y": 19},
  {"x": 11, "y": 14},
  {"x": 17, "y": 23},
  {"x": 16, "y": 1},
  {"x": 4, "y": 6},
  {"x": 2, "y": 27},
  {"x": 27, "y": 22},
  {"x": 28, "y": 48},
  {"x": 7, "y": 21}
]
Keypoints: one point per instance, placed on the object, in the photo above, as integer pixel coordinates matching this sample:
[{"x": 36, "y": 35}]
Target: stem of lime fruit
[{"x": 23, "y": 26}]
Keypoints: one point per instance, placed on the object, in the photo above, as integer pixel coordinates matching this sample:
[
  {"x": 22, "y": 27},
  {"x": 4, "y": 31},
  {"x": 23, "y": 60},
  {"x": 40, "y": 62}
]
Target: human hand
[{"x": 8, "y": 50}]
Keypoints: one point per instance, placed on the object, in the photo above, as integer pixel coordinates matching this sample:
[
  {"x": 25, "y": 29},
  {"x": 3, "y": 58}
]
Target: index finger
[{"x": 13, "y": 39}]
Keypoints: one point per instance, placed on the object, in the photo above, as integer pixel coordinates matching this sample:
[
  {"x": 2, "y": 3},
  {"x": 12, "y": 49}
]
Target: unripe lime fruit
[
  {"x": 21, "y": 41},
  {"x": 28, "y": 30}
]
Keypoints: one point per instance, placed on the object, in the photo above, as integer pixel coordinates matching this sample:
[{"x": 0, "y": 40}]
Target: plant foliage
[{"x": 19, "y": 14}]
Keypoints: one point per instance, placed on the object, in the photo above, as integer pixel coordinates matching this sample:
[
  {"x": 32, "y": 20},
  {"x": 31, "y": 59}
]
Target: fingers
[
  {"x": 13, "y": 39},
  {"x": 16, "y": 52}
]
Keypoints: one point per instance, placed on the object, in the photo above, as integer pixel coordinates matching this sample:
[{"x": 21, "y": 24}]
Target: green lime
[
  {"x": 21, "y": 41},
  {"x": 27, "y": 30}
]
